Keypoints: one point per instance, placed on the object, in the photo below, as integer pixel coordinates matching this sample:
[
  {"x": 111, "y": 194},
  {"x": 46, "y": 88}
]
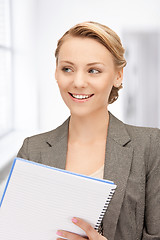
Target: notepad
[{"x": 38, "y": 200}]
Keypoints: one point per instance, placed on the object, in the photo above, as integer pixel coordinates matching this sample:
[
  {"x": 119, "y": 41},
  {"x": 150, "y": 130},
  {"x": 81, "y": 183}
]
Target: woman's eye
[
  {"x": 94, "y": 71},
  {"x": 66, "y": 69}
]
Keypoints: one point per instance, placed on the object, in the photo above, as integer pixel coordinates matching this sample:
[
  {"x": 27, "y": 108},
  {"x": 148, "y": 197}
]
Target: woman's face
[{"x": 85, "y": 74}]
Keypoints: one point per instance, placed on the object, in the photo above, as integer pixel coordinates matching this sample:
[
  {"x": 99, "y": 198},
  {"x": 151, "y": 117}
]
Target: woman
[{"x": 89, "y": 73}]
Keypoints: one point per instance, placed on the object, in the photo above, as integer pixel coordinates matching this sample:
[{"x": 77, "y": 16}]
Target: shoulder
[
  {"x": 33, "y": 145},
  {"x": 132, "y": 135},
  {"x": 142, "y": 132},
  {"x": 146, "y": 144},
  {"x": 143, "y": 135},
  {"x": 50, "y": 136},
  {"x": 144, "y": 141}
]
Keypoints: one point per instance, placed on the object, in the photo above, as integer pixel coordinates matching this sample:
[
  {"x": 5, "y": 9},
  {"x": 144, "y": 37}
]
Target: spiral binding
[{"x": 99, "y": 224}]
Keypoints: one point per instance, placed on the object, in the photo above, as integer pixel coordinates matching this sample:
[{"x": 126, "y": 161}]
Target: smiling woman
[
  {"x": 86, "y": 73},
  {"x": 89, "y": 73},
  {"x": 106, "y": 37}
]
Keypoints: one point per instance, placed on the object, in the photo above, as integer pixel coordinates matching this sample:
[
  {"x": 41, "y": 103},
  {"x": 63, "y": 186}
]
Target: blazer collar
[
  {"x": 55, "y": 155},
  {"x": 116, "y": 131},
  {"x": 118, "y": 159}
]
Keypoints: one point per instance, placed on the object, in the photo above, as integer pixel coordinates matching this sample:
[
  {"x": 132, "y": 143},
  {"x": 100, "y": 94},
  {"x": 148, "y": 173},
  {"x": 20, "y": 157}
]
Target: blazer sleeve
[{"x": 152, "y": 204}]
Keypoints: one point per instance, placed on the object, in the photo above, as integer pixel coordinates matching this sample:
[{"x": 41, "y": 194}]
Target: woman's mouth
[{"x": 80, "y": 97}]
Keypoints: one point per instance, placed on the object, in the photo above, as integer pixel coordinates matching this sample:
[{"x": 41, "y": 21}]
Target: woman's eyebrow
[
  {"x": 89, "y": 64},
  {"x": 94, "y": 63},
  {"x": 67, "y": 62}
]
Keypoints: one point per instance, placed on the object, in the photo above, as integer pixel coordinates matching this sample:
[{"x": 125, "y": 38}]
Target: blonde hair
[{"x": 103, "y": 35}]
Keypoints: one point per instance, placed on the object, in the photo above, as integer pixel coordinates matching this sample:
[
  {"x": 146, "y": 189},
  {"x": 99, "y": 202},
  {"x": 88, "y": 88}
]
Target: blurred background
[{"x": 30, "y": 102}]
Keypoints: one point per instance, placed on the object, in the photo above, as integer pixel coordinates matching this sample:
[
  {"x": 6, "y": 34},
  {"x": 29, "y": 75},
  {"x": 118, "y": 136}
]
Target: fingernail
[
  {"x": 74, "y": 220},
  {"x": 59, "y": 233}
]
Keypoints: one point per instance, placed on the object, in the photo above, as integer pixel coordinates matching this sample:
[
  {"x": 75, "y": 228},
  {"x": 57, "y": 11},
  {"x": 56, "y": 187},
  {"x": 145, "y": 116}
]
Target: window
[
  {"x": 141, "y": 98},
  {"x": 6, "y": 83}
]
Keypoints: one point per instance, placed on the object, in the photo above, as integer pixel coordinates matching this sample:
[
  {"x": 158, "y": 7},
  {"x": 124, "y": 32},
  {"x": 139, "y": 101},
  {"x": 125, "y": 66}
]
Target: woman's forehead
[{"x": 88, "y": 49}]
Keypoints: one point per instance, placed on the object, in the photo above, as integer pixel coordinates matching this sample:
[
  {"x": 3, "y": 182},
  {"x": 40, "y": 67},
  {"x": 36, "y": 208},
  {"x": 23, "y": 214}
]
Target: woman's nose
[{"x": 80, "y": 80}]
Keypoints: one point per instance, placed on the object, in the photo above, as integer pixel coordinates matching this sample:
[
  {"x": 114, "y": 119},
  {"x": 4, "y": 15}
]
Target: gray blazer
[{"x": 132, "y": 161}]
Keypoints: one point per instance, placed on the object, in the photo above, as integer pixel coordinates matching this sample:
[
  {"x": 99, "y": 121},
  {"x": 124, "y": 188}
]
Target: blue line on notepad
[
  {"x": 9, "y": 177},
  {"x": 65, "y": 171}
]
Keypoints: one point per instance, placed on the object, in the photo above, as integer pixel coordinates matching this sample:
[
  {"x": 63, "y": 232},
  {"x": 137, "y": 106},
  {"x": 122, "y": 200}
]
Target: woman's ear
[{"x": 119, "y": 78}]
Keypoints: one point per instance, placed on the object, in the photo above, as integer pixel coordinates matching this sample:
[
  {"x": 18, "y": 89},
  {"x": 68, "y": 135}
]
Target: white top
[{"x": 99, "y": 173}]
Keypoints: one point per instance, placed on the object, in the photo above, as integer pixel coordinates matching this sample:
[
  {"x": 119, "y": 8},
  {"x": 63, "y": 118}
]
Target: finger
[
  {"x": 68, "y": 235},
  {"x": 89, "y": 230}
]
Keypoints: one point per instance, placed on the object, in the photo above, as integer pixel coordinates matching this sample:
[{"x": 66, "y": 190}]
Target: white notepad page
[{"x": 39, "y": 200}]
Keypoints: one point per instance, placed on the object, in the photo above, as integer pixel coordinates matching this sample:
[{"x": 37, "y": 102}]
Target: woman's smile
[{"x": 80, "y": 97}]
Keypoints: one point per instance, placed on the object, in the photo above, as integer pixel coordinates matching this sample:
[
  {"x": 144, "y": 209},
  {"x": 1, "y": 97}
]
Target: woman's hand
[{"x": 91, "y": 233}]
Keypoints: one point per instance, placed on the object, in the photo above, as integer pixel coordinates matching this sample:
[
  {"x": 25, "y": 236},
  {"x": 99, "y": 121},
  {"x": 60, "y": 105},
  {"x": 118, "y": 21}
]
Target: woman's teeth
[{"x": 81, "y": 96}]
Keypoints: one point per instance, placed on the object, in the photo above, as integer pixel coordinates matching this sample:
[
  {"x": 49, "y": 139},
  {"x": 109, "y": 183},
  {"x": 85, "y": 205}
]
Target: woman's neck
[{"x": 88, "y": 129}]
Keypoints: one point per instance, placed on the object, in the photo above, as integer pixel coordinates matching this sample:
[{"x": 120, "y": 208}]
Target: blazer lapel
[
  {"x": 56, "y": 152},
  {"x": 117, "y": 167}
]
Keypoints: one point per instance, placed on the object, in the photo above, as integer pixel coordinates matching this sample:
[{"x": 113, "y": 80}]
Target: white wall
[{"x": 24, "y": 18}]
